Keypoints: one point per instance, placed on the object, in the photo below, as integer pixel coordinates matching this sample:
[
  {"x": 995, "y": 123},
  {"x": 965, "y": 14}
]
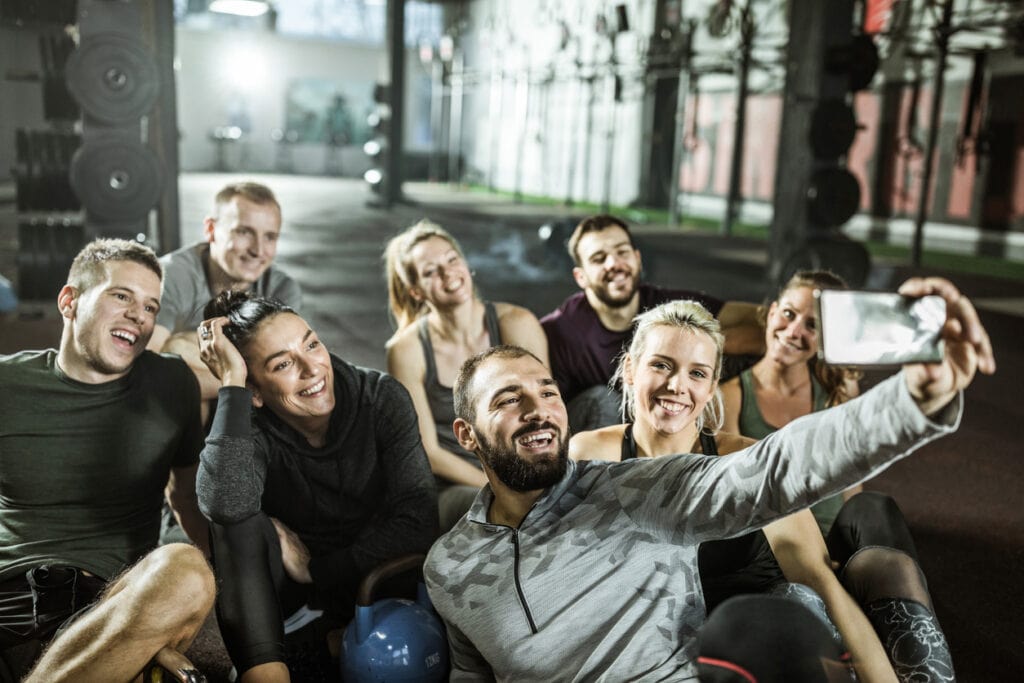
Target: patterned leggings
[
  {"x": 879, "y": 564},
  {"x": 742, "y": 639}
]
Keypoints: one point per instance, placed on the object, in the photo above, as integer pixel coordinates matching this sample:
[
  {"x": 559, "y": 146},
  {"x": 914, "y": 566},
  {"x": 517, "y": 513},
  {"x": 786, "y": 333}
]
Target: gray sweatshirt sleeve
[
  {"x": 231, "y": 471},
  {"x": 467, "y": 664},
  {"x": 694, "y": 498}
]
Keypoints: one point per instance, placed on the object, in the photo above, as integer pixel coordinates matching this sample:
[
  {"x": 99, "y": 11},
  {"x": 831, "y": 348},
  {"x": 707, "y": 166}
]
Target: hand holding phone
[
  {"x": 879, "y": 329},
  {"x": 968, "y": 347}
]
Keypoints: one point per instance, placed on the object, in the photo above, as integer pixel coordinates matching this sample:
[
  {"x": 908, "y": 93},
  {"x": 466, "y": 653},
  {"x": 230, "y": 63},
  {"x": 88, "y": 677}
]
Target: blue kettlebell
[{"x": 394, "y": 639}]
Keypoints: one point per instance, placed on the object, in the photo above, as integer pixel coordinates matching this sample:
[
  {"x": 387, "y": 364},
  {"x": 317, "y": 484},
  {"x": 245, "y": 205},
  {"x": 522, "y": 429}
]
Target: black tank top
[{"x": 733, "y": 566}]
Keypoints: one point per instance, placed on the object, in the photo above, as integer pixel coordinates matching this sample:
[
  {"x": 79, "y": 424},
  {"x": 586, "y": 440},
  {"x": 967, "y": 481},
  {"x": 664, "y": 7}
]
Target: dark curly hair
[{"x": 245, "y": 312}]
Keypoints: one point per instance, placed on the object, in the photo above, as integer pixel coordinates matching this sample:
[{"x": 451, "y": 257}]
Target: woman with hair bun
[{"x": 312, "y": 475}]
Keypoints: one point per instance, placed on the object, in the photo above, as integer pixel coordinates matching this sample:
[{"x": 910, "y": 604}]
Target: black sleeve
[
  {"x": 191, "y": 441},
  {"x": 558, "y": 348},
  {"x": 407, "y": 521},
  {"x": 232, "y": 469}
]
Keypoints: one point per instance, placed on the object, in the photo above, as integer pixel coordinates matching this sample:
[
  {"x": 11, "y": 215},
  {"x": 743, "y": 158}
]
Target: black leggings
[
  {"x": 879, "y": 568},
  {"x": 255, "y": 593},
  {"x": 742, "y": 640}
]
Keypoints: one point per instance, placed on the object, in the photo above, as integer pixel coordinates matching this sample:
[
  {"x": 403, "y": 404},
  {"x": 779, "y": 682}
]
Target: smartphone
[{"x": 879, "y": 328}]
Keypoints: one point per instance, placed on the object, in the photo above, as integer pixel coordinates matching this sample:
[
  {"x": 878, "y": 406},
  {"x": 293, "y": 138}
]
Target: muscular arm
[
  {"x": 181, "y": 496},
  {"x": 803, "y": 558},
  {"x": 520, "y": 327},
  {"x": 159, "y": 338},
  {"x": 741, "y": 325},
  {"x": 406, "y": 364},
  {"x": 186, "y": 345}
]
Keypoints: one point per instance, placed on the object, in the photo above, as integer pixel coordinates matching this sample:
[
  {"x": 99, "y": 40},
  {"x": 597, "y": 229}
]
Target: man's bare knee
[{"x": 177, "y": 586}]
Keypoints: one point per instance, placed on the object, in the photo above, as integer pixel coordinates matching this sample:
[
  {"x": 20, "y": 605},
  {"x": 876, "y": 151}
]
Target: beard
[
  {"x": 520, "y": 474},
  {"x": 610, "y": 300}
]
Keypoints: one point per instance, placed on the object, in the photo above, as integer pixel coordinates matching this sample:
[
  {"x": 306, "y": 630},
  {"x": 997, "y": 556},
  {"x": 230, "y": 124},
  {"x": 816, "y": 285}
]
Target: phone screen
[{"x": 879, "y": 328}]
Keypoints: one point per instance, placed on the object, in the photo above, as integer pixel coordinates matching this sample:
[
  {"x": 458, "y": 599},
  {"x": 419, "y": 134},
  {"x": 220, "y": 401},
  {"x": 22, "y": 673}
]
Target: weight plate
[
  {"x": 864, "y": 62},
  {"x": 113, "y": 77},
  {"x": 833, "y": 197},
  {"x": 116, "y": 178},
  {"x": 835, "y": 252},
  {"x": 833, "y": 128}
]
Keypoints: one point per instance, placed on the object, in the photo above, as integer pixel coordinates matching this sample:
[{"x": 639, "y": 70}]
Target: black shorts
[{"x": 39, "y": 603}]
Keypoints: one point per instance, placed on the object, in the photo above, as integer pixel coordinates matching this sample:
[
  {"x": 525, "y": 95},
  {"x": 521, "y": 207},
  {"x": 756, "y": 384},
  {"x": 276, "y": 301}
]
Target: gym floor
[{"x": 960, "y": 494}]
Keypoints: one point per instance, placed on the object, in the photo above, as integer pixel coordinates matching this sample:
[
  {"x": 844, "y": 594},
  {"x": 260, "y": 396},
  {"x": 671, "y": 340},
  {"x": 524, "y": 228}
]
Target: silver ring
[{"x": 205, "y": 332}]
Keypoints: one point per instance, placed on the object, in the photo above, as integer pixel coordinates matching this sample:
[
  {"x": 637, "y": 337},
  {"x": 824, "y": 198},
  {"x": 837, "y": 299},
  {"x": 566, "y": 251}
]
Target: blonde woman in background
[{"x": 442, "y": 322}]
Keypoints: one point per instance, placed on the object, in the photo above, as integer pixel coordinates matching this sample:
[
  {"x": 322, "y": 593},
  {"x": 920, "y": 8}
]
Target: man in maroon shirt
[{"x": 589, "y": 330}]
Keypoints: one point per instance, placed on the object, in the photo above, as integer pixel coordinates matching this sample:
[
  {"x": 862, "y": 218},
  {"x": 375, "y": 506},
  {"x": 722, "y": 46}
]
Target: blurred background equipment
[{"x": 96, "y": 164}]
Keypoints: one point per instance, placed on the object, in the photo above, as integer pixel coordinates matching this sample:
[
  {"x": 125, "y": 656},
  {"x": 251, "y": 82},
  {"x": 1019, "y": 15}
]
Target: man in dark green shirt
[{"x": 90, "y": 436}]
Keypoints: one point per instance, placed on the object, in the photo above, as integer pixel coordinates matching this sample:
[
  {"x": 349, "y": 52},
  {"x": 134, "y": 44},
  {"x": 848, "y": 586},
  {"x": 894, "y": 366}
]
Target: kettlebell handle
[{"x": 399, "y": 565}]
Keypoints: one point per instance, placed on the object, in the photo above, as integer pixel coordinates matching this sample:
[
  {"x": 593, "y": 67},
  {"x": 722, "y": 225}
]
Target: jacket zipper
[{"x": 519, "y": 586}]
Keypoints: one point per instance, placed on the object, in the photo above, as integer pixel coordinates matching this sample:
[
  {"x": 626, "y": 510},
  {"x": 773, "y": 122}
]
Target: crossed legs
[{"x": 152, "y": 610}]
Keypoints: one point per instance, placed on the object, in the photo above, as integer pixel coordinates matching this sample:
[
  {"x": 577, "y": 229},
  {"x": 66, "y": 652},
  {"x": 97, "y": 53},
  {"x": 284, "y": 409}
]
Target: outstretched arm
[{"x": 820, "y": 454}]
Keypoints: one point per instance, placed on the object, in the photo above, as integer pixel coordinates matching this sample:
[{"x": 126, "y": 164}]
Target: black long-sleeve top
[{"x": 365, "y": 497}]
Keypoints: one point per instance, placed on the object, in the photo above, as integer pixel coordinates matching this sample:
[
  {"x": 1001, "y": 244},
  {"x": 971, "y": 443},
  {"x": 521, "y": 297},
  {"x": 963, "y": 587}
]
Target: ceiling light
[{"x": 242, "y": 8}]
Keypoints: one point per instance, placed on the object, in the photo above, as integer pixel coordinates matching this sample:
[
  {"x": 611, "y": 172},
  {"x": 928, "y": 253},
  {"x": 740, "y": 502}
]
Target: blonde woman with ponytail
[{"x": 442, "y": 322}]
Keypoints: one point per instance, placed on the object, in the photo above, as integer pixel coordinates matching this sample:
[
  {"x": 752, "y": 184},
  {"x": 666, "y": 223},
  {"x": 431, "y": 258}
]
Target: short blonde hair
[{"x": 89, "y": 266}]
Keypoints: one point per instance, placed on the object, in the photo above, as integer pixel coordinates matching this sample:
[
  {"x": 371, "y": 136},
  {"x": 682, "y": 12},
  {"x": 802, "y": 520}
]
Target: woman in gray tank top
[
  {"x": 441, "y": 323},
  {"x": 865, "y": 533}
]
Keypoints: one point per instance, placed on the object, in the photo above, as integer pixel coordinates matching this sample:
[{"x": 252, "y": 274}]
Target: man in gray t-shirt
[{"x": 237, "y": 253}]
